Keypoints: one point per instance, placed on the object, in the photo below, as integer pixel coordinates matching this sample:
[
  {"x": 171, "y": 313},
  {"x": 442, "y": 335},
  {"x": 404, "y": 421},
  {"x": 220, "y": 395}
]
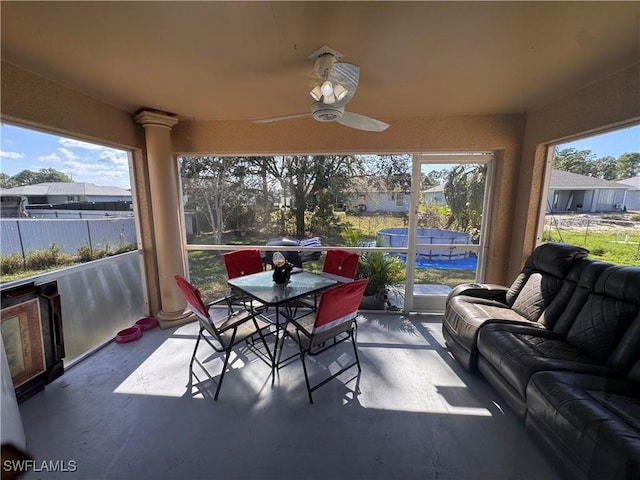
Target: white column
[{"x": 165, "y": 206}]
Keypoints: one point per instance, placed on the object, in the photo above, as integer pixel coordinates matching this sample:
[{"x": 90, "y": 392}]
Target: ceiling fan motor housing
[{"x": 326, "y": 113}]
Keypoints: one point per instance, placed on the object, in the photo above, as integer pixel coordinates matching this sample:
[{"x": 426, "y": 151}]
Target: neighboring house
[
  {"x": 579, "y": 193},
  {"x": 68, "y": 200},
  {"x": 435, "y": 195},
  {"x": 372, "y": 195},
  {"x": 632, "y": 199}
]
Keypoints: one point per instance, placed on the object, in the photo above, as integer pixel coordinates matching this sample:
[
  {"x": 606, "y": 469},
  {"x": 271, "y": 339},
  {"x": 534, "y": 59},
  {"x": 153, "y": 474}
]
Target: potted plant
[{"x": 381, "y": 269}]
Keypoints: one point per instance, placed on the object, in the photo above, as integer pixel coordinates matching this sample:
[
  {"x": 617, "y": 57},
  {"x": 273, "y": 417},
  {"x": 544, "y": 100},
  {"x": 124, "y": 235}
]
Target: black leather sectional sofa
[{"x": 562, "y": 347}]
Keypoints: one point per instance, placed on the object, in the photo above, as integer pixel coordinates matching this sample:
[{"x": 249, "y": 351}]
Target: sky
[
  {"x": 23, "y": 149},
  {"x": 613, "y": 144}
]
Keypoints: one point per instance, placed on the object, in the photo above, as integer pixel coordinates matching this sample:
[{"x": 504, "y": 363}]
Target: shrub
[
  {"x": 11, "y": 264},
  {"x": 47, "y": 258},
  {"x": 123, "y": 247},
  {"x": 84, "y": 254}
]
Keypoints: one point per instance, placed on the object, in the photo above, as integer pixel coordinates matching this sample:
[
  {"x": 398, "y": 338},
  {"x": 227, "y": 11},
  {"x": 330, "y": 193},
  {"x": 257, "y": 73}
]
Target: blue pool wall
[{"x": 397, "y": 237}]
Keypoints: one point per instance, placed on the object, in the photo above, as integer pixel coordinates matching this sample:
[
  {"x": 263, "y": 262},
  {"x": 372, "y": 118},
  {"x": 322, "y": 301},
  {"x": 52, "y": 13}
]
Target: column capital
[{"x": 149, "y": 118}]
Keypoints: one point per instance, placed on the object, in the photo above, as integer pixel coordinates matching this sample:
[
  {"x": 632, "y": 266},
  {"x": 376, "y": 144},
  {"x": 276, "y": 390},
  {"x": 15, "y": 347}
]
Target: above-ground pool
[{"x": 397, "y": 237}]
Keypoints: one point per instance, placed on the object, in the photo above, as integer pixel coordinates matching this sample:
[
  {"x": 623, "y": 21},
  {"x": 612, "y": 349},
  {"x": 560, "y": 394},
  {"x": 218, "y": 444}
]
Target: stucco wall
[
  {"x": 520, "y": 146},
  {"x": 610, "y": 103},
  {"x": 32, "y": 101},
  {"x": 35, "y": 101}
]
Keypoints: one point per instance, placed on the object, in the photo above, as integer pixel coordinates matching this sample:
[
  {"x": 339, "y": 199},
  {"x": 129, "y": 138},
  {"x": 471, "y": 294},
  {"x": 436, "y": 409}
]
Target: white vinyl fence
[{"x": 23, "y": 236}]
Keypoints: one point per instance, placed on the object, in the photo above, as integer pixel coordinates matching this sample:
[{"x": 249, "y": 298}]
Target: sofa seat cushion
[
  {"x": 465, "y": 315},
  {"x": 592, "y": 419},
  {"x": 516, "y": 352}
]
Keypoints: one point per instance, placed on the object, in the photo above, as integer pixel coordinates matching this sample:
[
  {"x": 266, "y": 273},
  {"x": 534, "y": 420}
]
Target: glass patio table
[{"x": 261, "y": 287}]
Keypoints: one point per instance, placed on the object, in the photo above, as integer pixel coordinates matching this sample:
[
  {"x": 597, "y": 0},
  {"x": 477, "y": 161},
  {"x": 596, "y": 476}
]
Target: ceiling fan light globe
[
  {"x": 327, "y": 88},
  {"x": 331, "y": 99},
  {"x": 316, "y": 93},
  {"x": 340, "y": 92}
]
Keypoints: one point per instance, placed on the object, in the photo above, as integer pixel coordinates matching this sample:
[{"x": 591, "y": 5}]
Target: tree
[
  {"x": 434, "y": 177},
  {"x": 44, "y": 175},
  {"x": 303, "y": 177},
  {"x": 464, "y": 192},
  {"x": 574, "y": 161},
  {"x": 215, "y": 186},
  {"x": 628, "y": 166},
  {"x": 604, "y": 167},
  {"x": 5, "y": 181}
]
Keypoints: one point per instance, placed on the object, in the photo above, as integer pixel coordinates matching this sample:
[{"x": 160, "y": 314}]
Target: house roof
[
  {"x": 81, "y": 189},
  {"x": 435, "y": 189},
  {"x": 633, "y": 182},
  {"x": 561, "y": 180}
]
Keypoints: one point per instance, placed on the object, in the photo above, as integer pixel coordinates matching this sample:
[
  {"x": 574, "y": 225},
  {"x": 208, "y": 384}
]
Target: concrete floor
[{"x": 126, "y": 413}]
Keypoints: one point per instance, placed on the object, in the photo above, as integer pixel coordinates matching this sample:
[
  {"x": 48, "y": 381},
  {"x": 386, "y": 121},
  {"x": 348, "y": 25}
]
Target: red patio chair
[
  {"x": 334, "y": 319},
  {"x": 239, "y": 263},
  {"x": 223, "y": 333},
  {"x": 340, "y": 265},
  {"x": 242, "y": 262}
]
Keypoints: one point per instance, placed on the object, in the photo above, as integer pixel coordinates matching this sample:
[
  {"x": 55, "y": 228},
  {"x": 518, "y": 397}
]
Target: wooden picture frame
[
  {"x": 31, "y": 327},
  {"x": 21, "y": 327}
]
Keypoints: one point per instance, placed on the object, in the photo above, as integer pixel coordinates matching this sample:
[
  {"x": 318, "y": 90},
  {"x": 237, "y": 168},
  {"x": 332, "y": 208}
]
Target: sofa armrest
[{"x": 488, "y": 291}]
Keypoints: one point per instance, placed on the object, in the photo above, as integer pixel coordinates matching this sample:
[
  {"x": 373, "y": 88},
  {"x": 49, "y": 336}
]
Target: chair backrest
[
  {"x": 193, "y": 298},
  {"x": 242, "y": 262},
  {"x": 340, "y": 265},
  {"x": 338, "y": 306}
]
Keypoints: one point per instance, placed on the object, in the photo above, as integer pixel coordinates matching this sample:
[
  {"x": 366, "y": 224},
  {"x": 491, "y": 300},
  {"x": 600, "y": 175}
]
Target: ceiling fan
[{"x": 337, "y": 84}]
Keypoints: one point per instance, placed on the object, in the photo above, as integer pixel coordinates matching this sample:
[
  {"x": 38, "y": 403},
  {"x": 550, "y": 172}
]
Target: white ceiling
[{"x": 249, "y": 60}]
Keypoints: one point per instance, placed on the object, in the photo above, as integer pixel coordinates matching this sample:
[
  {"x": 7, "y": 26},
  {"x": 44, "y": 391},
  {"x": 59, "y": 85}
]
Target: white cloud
[
  {"x": 70, "y": 143},
  {"x": 12, "y": 155},
  {"x": 82, "y": 168},
  {"x": 67, "y": 154},
  {"x": 115, "y": 157},
  {"x": 61, "y": 155},
  {"x": 97, "y": 173}
]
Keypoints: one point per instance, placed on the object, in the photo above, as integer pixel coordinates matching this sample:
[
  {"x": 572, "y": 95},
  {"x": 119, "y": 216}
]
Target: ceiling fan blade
[
  {"x": 284, "y": 117},
  {"x": 347, "y": 75},
  {"x": 360, "y": 122}
]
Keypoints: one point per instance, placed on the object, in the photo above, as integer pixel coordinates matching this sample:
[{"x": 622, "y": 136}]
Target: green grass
[
  {"x": 602, "y": 245},
  {"x": 37, "y": 262}
]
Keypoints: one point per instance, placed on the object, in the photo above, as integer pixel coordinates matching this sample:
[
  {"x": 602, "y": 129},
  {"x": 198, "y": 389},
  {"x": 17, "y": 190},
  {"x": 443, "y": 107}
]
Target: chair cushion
[
  {"x": 306, "y": 327},
  {"x": 243, "y": 331}
]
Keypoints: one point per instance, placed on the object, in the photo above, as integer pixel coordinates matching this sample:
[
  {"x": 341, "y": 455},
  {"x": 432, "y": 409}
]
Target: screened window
[{"x": 45, "y": 176}]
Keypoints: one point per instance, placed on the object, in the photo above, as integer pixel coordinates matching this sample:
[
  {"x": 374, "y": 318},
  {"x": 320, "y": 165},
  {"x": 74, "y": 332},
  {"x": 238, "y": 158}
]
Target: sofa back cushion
[
  {"x": 538, "y": 291},
  {"x": 608, "y": 310},
  {"x": 575, "y": 291},
  {"x": 552, "y": 258},
  {"x": 542, "y": 278},
  {"x": 634, "y": 372},
  {"x": 626, "y": 356}
]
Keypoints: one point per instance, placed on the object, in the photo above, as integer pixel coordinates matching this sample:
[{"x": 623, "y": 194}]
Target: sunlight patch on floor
[{"x": 170, "y": 361}]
